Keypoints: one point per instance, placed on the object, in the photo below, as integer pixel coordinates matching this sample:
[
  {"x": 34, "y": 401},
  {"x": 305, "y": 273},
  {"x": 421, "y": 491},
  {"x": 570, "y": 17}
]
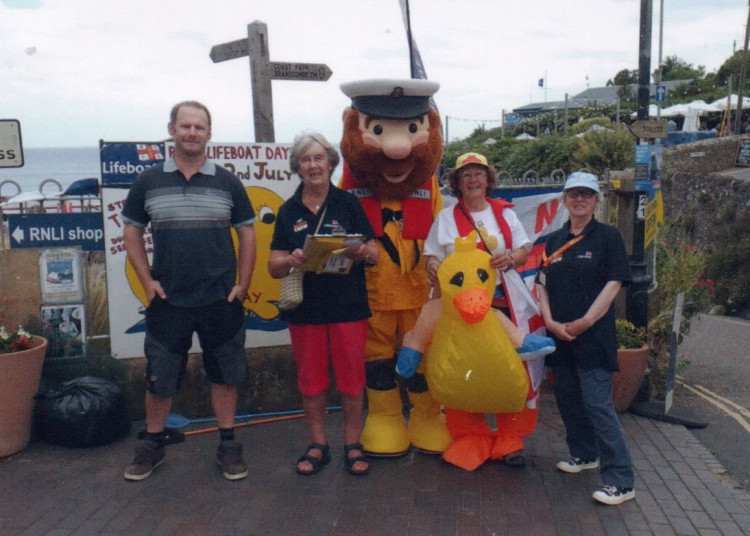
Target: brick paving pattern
[{"x": 48, "y": 490}]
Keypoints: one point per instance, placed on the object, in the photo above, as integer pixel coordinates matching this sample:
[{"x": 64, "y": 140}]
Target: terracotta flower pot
[
  {"x": 20, "y": 373},
  {"x": 628, "y": 380}
]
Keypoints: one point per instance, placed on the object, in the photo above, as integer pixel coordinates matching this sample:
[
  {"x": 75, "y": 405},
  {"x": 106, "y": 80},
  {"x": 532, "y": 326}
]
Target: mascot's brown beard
[{"x": 368, "y": 164}]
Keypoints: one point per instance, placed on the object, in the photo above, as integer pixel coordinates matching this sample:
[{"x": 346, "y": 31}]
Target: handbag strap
[
  {"x": 320, "y": 221},
  {"x": 473, "y": 224}
]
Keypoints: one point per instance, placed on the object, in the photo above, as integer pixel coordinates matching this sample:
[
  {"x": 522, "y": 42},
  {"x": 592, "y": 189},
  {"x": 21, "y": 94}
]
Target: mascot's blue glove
[
  {"x": 408, "y": 362},
  {"x": 535, "y": 346}
]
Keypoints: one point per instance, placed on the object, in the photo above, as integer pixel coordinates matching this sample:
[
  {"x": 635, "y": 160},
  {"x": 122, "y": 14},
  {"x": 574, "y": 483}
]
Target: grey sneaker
[
  {"x": 613, "y": 495},
  {"x": 229, "y": 456},
  {"x": 576, "y": 465},
  {"x": 148, "y": 456}
]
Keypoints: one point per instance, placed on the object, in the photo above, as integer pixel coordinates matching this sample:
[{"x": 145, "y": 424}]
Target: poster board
[
  {"x": 60, "y": 276},
  {"x": 65, "y": 330},
  {"x": 743, "y": 152}
]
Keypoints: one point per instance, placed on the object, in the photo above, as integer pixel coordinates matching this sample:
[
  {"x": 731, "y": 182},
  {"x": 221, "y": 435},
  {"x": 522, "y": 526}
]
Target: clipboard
[{"x": 326, "y": 253}]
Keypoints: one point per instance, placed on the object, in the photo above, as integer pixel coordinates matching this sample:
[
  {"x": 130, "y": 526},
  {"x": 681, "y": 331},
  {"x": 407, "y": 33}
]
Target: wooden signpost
[{"x": 262, "y": 71}]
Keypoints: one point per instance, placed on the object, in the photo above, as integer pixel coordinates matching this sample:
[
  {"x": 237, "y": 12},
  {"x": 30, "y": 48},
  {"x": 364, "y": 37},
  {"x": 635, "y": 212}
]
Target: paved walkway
[{"x": 57, "y": 491}]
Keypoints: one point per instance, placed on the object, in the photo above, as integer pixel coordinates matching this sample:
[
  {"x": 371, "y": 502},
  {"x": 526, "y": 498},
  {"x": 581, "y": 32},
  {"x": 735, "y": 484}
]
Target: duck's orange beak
[{"x": 473, "y": 304}]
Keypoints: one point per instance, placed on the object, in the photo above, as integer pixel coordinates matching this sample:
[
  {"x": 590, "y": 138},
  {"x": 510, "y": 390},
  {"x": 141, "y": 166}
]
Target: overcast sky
[{"x": 77, "y": 71}]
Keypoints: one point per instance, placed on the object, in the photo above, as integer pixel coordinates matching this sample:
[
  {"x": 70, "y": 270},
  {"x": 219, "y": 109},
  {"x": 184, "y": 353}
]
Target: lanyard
[
  {"x": 471, "y": 220},
  {"x": 570, "y": 243}
]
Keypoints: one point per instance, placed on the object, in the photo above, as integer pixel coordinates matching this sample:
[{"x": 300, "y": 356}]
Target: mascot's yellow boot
[
  {"x": 385, "y": 433},
  {"x": 427, "y": 430}
]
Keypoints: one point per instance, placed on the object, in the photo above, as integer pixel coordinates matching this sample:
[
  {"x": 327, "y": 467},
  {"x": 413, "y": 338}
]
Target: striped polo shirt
[{"x": 193, "y": 254}]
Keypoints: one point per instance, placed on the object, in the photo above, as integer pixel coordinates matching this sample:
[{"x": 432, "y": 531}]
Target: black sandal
[
  {"x": 515, "y": 459},
  {"x": 350, "y": 461},
  {"x": 317, "y": 463}
]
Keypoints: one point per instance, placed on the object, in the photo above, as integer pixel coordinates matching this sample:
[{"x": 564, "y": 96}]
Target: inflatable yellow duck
[{"x": 472, "y": 365}]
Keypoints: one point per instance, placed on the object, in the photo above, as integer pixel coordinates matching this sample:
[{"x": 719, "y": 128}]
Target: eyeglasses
[{"x": 585, "y": 193}]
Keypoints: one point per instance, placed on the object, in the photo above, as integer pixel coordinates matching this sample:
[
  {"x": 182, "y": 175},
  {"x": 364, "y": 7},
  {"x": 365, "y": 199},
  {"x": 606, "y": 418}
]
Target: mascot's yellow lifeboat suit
[
  {"x": 472, "y": 365},
  {"x": 392, "y": 145}
]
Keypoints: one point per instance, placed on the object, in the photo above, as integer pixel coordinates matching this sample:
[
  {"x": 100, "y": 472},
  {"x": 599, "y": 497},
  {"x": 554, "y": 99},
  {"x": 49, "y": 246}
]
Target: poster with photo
[
  {"x": 60, "y": 276},
  {"x": 65, "y": 329}
]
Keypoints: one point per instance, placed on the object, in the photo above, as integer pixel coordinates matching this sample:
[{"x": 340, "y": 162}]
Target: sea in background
[{"x": 64, "y": 164}]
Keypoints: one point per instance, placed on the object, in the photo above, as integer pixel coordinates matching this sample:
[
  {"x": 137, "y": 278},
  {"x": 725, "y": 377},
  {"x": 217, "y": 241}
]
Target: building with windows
[{"x": 596, "y": 96}]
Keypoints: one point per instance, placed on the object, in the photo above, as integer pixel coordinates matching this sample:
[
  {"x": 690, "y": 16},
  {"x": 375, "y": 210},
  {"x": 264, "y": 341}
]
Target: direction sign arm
[
  {"x": 649, "y": 129},
  {"x": 316, "y": 72},
  {"x": 230, "y": 50}
]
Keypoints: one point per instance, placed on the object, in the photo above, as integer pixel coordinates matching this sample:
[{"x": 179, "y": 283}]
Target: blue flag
[{"x": 415, "y": 58}]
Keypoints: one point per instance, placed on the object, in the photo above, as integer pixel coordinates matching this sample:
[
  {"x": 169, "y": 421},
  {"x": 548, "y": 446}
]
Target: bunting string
[{"x": 473, "y": 120}]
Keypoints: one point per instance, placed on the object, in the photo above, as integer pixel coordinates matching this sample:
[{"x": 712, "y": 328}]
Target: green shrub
[
  {"x": 629, "y": 336},
  {"x": 680, "y": 267},
  {"x": 602, "y": 150},
  {"x": 585, "y": 124}
]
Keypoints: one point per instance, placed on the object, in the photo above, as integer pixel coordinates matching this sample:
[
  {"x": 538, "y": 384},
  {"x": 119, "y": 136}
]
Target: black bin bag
[{"x": 83, "y": 412}]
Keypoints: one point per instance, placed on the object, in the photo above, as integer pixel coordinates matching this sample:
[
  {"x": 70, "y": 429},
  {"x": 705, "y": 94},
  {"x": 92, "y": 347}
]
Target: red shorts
[{"x": 344, "y": 342}]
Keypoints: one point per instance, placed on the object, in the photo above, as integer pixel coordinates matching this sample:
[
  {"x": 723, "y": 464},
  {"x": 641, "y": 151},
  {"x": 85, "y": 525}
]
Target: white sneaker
[
  {"x": 576, "y": 465},
  {"x": 613, "y": 495}
]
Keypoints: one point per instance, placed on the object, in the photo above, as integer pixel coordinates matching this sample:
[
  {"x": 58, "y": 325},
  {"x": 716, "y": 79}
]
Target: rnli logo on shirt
[
  {"x": 301, "y": 225},
  {"x": 361, "y": 192},
  {"x": 421, "y": 193},
  {"x": 586, "y": 255}
]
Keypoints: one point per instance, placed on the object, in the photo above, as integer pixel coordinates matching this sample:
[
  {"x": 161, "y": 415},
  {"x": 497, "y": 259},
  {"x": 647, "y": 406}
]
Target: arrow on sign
[
  {"x": 318, "y": 72},
  {"x": 649, "y": 129},
  {"x": 661, "y": 93},
  {"x": 18, "y": 235}
]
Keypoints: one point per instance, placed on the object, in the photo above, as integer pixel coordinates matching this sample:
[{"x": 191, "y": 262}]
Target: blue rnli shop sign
[{"x": 57, "y": 230}]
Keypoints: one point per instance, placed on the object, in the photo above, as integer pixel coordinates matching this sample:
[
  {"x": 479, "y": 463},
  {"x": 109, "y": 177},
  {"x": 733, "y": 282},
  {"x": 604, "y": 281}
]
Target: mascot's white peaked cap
[{"x": 391, "y": 98}]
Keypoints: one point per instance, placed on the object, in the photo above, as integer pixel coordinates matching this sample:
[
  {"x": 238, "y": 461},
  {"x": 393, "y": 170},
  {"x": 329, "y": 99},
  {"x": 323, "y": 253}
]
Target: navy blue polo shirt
[
  {"x": 327, "y": 298},
  {"x": 574, "y": 280},
  {"x": 194, "y": 258}
]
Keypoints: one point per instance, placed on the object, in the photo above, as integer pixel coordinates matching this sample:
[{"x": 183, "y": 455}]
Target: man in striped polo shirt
[{"x": 196, "y": 283}]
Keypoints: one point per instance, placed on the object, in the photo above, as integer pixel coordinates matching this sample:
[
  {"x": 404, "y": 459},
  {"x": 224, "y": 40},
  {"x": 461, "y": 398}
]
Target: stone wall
[
  {"x": 707, "y": 199},
  {"x": 703, "y": 190},
  {"x": 701, "y": 158}
]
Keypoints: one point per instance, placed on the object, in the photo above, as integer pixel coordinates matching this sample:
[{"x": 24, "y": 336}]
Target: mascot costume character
[
  {"x": 473, "y": 353},
  {"x": 392, "y": 146}
]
